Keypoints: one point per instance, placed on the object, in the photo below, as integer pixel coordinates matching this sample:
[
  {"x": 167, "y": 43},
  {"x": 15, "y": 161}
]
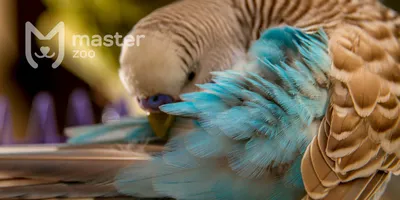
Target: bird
[{"x": 354, "y": 151}]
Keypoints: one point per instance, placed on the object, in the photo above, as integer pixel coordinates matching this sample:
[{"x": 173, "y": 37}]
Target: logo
[
  {"x": 44, "y": 50},
  {"x": 83, "y": 46}
]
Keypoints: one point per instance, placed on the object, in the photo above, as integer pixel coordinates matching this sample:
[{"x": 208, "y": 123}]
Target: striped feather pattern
[
  {"x": 192, "y": 23},
  {"x": 357, "y": 148},
  {"x": 202, "y": 36}
]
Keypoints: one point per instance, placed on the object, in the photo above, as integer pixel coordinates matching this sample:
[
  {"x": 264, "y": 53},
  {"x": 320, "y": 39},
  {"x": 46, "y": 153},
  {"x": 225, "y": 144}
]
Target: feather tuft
[{"x": 252, "y": 126}]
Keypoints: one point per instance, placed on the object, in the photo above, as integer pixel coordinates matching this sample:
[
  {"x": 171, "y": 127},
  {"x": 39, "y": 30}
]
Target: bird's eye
[
  {"x": 155, "y": 98},
  {"x": 191, "y": 76}
]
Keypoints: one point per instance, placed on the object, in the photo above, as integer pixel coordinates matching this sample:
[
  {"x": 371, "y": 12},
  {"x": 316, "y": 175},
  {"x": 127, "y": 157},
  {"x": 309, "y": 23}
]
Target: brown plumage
[{"x": 357, "y": 148}]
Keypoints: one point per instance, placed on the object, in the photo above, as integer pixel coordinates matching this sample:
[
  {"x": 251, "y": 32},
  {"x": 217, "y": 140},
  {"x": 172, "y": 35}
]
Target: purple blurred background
[{"x": 37, "y": 104}]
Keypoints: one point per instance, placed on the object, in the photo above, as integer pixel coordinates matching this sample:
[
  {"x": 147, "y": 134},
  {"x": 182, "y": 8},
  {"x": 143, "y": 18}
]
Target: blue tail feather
[{"x": 125, "y": 130}]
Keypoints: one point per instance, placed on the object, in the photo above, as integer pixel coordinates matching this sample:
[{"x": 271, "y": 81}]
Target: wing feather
[
  {"x": 358, "y": 145},
  {"x": 50, "y": 171}
]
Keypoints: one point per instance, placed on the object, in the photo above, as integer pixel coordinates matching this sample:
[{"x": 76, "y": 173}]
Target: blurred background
[
  {"x": 37, "y": 104},
  {"x": 46, "y": 100}
]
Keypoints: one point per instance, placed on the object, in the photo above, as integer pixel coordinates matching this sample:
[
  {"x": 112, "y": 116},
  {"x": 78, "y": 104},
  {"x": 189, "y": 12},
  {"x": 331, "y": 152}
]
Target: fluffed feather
[{"x": 250, "y": 131}]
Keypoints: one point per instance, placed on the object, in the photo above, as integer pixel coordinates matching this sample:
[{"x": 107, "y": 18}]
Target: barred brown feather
[{"x": 357, "y": 149}]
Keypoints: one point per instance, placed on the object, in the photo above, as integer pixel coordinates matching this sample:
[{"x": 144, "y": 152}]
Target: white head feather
[{"x": 148, "y": 68}]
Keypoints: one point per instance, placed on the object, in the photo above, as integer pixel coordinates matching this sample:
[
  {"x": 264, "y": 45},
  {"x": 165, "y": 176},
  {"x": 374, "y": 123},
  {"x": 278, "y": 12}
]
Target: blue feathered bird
[{"x": 357, "y": 146}]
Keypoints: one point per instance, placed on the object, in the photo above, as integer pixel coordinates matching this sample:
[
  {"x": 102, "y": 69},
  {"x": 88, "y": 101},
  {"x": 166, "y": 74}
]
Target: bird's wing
[
  {"x": 359, "y": 141},
  {"x": 52, "y": 171}
]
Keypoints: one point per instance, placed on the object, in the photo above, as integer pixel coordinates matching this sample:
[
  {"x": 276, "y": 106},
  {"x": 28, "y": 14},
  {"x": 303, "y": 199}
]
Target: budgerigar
[
  {"x": 364, "y": 45},
  {"x": 193, "y": 38},
  {"x": 355, "y": 151}
]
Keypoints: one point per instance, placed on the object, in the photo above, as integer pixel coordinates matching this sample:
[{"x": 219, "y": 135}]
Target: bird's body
[
  {"x": 360, "y": 129},
  {"x": 345, "y": 85}
]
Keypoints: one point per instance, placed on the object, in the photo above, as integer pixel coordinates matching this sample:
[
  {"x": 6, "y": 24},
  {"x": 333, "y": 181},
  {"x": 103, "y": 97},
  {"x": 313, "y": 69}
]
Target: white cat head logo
[{"x": 44, "y": 50}]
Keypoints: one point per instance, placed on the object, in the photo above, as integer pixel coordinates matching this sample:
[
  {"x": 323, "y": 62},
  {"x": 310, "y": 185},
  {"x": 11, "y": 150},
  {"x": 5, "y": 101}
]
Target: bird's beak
[{"x": 161, "y": 123}]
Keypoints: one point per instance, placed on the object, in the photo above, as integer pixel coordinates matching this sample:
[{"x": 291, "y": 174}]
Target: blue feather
[
  {"x": 203, "y": 145},
  {"x": 251, "y": 130},
  {"x": 186, "y": 109},
  {"x": 125, "y": 130},
  {"x": 227, "y": 96}
]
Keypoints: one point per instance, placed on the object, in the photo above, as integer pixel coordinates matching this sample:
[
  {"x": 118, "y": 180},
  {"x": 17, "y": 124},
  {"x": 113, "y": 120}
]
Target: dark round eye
[
  {"x": 191, "y": 76},
  {"x": 155, "y": 98}
]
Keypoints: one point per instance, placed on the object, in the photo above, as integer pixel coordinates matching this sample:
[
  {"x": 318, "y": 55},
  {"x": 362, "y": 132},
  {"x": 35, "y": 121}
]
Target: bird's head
[
  {"x": 173, "y": 57},
  {"x": 162, "y": 66},
  {"x": 178, "y": 51},
  {"x": 157, "y": 71}
]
